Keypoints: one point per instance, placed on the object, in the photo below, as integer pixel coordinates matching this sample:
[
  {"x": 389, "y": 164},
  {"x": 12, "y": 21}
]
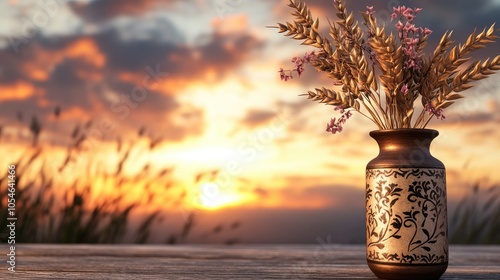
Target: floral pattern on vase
[{"x": 406, "y": 215}]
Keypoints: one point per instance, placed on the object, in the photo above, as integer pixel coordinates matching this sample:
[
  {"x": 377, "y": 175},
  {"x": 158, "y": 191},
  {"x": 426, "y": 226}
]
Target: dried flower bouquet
[{"x": 367, "y": 65}]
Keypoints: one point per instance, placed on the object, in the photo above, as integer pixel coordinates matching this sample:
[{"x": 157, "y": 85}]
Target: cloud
[
  {"x": 255, "y": 118},
  {"x": 100, "y": 10},
  {"x": 89, "y": 73},
  {"x": 306, "y": 193},
  {"x": 462, "y": 16},
  {"x": 17, "y": 91},
  {"x": 472, "y": 119},
  {"x": 461, "y": 116},
  {"x": 338, "y": 196},
  {"x": 217, "y": 52},
  {"x": 227, "y": 51}
]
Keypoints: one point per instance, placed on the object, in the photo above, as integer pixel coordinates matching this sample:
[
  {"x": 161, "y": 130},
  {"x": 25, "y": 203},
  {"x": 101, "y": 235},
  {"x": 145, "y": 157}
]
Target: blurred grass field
[
  {"x": 51, "y": 208},
  {"x": 97, "y": 206}
]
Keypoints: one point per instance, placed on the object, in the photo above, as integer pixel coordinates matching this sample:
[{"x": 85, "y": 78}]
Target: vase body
[{"x": 406, "y": 210}]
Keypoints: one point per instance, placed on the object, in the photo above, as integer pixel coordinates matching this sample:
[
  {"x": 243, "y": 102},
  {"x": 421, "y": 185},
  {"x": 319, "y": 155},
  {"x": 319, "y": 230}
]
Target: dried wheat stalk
[{"x": 375, "y": 65}]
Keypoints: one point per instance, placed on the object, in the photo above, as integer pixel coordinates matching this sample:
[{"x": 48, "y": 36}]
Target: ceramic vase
[{"x": 406, "y": 212}]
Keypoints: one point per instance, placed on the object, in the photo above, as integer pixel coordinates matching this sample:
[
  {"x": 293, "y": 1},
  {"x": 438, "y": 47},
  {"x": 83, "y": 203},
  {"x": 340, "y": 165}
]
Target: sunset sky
[{"x": 200, "y": 76}]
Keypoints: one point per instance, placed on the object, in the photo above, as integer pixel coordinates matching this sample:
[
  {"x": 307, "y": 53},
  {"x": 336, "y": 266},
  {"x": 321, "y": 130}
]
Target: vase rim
[
  {"x": 403, "y": 129},
  {"x": 432, "y": 133},
  {"x": 408, "y": 148}
]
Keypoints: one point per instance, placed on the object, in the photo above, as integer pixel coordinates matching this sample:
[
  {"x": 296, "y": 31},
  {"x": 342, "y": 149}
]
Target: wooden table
[{"x": 326, "y": 261}]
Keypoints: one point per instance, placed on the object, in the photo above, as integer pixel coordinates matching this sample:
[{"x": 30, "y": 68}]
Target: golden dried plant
[{"x": 367, "y": 65}]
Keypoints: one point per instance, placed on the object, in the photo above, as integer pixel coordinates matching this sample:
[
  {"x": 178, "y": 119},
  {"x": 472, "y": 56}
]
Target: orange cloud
[
  {"x": 87, "y": 50},
  {"x": 74, "y": 113},
  {"x": 17, "y": 91},
  {"x": 99, "y": 10},
  {"x": 168, "y": 86},
  {"x": 230, "y": 24},
  {"x": 42, "y": 60},
  {"x": 255, "y": 118},
  {"x": 35, "y": 72},
  {"x": 172, "y": 86}
]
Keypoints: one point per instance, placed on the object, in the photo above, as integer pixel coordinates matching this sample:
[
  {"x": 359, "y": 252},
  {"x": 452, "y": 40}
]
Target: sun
[{"x": 211, "y": 197}]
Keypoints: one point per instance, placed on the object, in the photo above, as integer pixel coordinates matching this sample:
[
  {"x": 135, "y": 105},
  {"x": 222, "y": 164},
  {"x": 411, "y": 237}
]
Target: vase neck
[{"x": 405, "y": 148}]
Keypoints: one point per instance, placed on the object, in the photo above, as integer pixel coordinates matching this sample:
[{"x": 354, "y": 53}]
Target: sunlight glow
[{"x": 212, "y": 198}]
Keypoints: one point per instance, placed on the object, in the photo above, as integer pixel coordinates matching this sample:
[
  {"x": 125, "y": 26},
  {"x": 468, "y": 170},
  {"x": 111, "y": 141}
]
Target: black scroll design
[{"x": 422, "y": 222}]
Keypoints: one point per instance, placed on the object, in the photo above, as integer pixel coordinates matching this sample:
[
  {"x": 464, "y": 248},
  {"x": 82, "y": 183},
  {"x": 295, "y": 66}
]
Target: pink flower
[
  {"x": 369, "y": 10},
  {"x": 433, "y": 111},
  {"x": 410, "y": 27},
  {"x": 404, "y": 89},
  {"x": 300, "y": 69},
  {"x": 399, "y": 26},
  {"x": 411, "y": 41},
  {"x": 298, "y": 65},
  {"x": 409, "y": 34},
  {"x": 337, "y": 108},
  {"x": 284, "y": 76},
  {"x": 309, "y": 56},
  {"x": 408, "y": 14},
  {"x": 335, "y": 125}
]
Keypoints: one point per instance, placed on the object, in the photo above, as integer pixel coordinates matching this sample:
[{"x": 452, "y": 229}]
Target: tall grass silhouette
[
  {"x": 476, "y": 219},
  {"x": 94, "y": 206}
]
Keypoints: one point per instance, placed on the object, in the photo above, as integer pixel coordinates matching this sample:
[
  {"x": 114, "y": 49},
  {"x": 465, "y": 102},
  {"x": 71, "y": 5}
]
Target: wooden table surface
[{"x": 327, "y": 261}]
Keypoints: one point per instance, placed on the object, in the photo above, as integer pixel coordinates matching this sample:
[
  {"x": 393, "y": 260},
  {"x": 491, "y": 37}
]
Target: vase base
[{"x": 407, "y": 271}]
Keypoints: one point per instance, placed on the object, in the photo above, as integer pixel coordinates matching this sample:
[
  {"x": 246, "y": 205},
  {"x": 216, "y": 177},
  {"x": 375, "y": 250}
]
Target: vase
[{"x": 406, "y": 212}]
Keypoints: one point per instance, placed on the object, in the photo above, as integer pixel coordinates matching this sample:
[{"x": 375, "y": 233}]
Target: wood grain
[{"x": 327, "y": 261}]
